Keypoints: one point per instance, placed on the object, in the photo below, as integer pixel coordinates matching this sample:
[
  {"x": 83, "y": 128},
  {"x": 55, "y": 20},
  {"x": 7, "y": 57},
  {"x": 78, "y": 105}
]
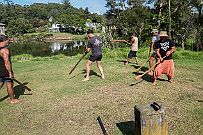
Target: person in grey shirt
[{"x": 95, "y": 45}]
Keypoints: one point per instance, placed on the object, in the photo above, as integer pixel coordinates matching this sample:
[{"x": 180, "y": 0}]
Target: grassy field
[{"x": 62, "y": 104}]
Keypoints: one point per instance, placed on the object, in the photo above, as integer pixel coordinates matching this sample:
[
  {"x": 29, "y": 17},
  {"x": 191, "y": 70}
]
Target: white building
[
  {"x": 2, "y": 28},
  {"x": 54, "y": 28}
]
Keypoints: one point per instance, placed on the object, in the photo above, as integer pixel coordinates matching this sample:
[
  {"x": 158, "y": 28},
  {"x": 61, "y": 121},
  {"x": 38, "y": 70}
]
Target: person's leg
[
  {"x": 135, "y": 55},
  {"x": 100, "y": 69},
  {"x": 157, "y": 72},
  {"x": 170, "y": 71},
  {"x": 151, "y": 59},
  {"x": 1, "y": 84},
  {"x": 136, "y": 60},
  {"x": 10, "y": 91},
  {"x": 129, "y": 57},
  {"x": 127, "y": 61},
  {"x": 88, "y": 70}
]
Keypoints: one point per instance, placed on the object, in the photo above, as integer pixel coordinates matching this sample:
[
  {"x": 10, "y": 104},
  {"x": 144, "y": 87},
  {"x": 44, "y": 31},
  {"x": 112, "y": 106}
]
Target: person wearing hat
[
  {"x": 6, "y": 72},
  {"x": 152, "y": 53},
  {"x": 164, "y": 48},
  {"x": 95, "y": 45}
]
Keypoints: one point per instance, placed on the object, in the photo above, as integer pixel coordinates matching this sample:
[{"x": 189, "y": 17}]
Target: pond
[{"x": 43, "y": 49}]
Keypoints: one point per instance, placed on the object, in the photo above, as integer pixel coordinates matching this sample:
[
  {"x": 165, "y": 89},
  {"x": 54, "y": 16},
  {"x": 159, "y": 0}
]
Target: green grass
[{"x": 63, "y": 104}]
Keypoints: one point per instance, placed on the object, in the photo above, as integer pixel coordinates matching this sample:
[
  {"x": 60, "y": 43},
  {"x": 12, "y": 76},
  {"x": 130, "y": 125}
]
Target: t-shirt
[
  {"x": 134, "y": 46},
  {"x": 155, "y": 39},
  {"x": 95, "y": 43},
  {"x": 165, "y": 46}
]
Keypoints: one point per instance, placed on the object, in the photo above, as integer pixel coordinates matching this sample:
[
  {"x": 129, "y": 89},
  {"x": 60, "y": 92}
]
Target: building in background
[{"x": 2, "y": 28}]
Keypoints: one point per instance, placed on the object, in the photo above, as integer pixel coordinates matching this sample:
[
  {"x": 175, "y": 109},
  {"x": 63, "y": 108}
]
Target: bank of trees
[
  {"x": 29, "y": 18},
  {"x": 183, "y": 19}
]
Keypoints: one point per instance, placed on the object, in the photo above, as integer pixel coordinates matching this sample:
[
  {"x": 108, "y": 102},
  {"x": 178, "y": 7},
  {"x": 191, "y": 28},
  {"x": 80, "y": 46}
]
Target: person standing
[
  {"x": 95, "y": 46},
  {"x": 133, "y": 40},
  {"x": 6, "y": 72},
  {"x": 164, "y": 48},
  {"x": 152, "y": 53}
]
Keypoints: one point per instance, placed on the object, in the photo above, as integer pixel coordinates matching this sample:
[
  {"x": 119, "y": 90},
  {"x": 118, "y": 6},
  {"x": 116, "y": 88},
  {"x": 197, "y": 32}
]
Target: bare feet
[
  {"x": 86, "y": 79},
  {"x": 169, "y": 80},
  {"x": 102, "y": 77},
  {"x": 125, "y": 63},
  {"x": 14, "y": 101},
  {"x": 154, "y": 82}
]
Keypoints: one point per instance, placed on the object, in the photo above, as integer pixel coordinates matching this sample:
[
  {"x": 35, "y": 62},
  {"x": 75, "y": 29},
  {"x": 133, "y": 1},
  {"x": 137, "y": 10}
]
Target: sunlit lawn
[{"x": 62, "y": 104}]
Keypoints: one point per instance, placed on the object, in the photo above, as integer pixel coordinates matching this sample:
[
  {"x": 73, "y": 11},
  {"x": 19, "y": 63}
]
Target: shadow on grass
[
  {"x": 142, "y": 68},
  {"x": 146, "y": 77},
  {"x": 18, "y": 91},
  {"x": 199, "y": 100},
  {"x": 84, "y": 72},
  {"x": 122, "y": 61},
  {"x": 92, "y": 73},
  {"x": 127, "y": 128},
  {"x": 136, "y": 83}
]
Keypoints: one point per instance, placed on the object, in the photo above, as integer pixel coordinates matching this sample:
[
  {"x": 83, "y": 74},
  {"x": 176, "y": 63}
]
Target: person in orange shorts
[{"x": 164, "y": 48}]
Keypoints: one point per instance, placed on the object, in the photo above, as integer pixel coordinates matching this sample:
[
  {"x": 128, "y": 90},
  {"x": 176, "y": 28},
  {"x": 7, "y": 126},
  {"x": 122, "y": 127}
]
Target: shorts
[
  {"x": 95, "y": 58},
  {"x": 154, "y": 54},
  {"x": 5, "y": 79},
  {"x": 132, "y": 54}
]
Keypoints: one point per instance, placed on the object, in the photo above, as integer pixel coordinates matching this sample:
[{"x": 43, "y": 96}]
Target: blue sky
[{"x": 97, "y": 6}]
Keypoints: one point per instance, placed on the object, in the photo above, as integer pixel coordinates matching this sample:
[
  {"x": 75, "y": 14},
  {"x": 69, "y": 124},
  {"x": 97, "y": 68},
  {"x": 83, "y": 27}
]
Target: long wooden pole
[
  {"x": 102, "y": 125},
  {"x": 136, "y": 70},
  {"x": 77, "y": 63},
  {"x": 140, "y": 76}
]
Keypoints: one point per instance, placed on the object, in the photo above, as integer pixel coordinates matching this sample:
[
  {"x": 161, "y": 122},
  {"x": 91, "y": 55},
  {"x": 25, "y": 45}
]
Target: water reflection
[{"x": 48, "y": 48}]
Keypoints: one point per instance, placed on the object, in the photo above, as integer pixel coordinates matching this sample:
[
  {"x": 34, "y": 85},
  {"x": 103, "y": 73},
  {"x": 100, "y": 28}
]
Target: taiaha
[
  {"x": 77, "y": 63},
  {"x": 140, "y": 76}
]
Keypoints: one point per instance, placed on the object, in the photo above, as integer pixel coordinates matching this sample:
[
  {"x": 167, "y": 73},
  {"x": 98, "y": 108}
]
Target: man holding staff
[
  {"x": 6, "y": 72},
  {"x": 164, "y": 49},
  {"x": 133, "y": 41},
  {"x": 94, "y": 44},
  {"x": 152, "y": 53}
]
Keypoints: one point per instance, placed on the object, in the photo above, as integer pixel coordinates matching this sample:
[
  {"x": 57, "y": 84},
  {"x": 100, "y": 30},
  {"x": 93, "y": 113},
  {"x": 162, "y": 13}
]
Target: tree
[{"x": 19, "y": 26}]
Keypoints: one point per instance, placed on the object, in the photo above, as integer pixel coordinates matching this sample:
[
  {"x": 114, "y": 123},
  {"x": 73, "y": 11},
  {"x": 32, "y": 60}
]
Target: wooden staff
[
  {"x": 142, "y": 65},
  {"x": 140, "y": 76},
  {"x": 101, "y": 125},
  {"x": 117, "y": 40},
  {"x": 77, "y": 63}
]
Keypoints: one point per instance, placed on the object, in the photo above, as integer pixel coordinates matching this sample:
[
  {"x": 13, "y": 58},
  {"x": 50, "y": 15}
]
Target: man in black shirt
[
  {"x": 6, "y": 72},
  {"x": 164, "y": 49},
  {"x": 94, "y": 44}
]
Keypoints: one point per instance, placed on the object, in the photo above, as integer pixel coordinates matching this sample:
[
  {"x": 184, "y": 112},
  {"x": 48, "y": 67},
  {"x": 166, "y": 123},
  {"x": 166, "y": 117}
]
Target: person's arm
[
  {"x": 151, "y": 46},
  {"x": 87, "y": 49},
  {"x": 160, "y": 59},
  {"x": 5, "y": 54},
  {"x": 172, "y": 50},
  {"x": 158, "y": 53},
  {"x": 132, "y": 40}
]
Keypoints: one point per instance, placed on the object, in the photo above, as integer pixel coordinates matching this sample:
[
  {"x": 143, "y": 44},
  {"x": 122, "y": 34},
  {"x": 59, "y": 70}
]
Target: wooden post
[{"x": 150, "y": 120}]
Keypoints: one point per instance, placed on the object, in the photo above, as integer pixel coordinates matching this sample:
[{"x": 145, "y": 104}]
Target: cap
[{"x": 154, "y": 30}]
